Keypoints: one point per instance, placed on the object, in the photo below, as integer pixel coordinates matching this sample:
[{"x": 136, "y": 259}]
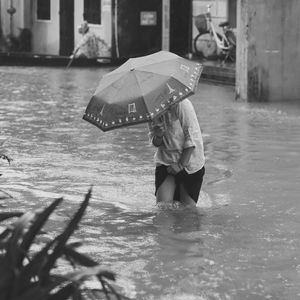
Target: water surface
[{"x": 242, "y": 243}]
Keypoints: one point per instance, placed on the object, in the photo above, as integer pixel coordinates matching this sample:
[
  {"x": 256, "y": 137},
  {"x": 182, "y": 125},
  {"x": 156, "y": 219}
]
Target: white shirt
[{"x": 182, "y": 131}]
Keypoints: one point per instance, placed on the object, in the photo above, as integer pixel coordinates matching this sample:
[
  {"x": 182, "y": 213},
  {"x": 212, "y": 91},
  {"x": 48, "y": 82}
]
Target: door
[
  {"x": 232, "y": 12},
  {"x": 138, "y": 27},
  {"x": 180, "y": 26},
  {"x": 66, "y": 18}
]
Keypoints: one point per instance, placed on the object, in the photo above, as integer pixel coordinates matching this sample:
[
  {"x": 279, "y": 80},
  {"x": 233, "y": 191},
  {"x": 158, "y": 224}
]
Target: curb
[
  {"x": 221, "y": 75},
  {"x": 213, "y": 71}
]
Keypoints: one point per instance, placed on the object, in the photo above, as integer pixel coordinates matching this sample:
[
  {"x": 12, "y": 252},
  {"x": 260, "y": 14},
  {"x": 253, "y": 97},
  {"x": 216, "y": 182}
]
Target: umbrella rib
[
  {"x": 141, "y": 91},
  {"x": 143, "y": 95}
]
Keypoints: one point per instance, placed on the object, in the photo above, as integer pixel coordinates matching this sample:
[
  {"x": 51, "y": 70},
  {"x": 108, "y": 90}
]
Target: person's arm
[
  {"x": 74, "y": 52},
  {"x": 183, "y": 161},
  {"x": 185, "y": 157},
  {"x": 188, "y": 119},
  {"x": 98, "y": 38},
  {"x": 80, "y": 45}
]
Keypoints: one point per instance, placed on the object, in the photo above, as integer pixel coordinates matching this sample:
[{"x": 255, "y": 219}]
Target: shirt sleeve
[
  {"x": 189, "y": 122},
  {"x": 83, "y": 41}
]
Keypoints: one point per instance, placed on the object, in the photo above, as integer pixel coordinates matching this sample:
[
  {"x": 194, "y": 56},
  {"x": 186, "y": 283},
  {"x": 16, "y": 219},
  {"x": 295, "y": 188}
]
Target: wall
[
  {"x": 4, "y": 5},
  {"x": 241, "y": 68},
  {"x": 19, "y": 18},
  {"x": 165, "y": 41},
  {"x": 269, "y": 50},
  {"x": 48, "y": 31},
  {"x": 45, "y": 34}
]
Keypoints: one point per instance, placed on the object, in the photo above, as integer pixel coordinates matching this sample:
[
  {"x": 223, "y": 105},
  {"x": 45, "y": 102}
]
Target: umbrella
[{"x": 142, "y": 89}]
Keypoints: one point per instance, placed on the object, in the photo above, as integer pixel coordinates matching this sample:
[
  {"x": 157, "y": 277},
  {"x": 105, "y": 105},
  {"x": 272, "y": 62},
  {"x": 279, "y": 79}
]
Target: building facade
[
  {"x": 54, "y": 23},
  {"x": 130, "y": 27},
  {"x": 268, "y": 50}
]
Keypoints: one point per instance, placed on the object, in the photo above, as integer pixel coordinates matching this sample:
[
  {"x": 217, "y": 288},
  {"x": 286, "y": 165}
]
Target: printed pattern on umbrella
[{"x": 136, "y": 93}]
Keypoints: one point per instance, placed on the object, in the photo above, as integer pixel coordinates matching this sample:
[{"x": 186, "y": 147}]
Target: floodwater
[{"x": 242, "y": 243}]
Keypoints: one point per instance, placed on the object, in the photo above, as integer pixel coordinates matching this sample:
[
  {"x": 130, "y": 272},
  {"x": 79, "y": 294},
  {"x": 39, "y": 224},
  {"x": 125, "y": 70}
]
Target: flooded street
[{"x": 244, "y": 241}]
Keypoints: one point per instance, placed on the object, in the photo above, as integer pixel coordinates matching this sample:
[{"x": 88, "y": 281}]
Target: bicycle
[{"x": 211, "y": 44}]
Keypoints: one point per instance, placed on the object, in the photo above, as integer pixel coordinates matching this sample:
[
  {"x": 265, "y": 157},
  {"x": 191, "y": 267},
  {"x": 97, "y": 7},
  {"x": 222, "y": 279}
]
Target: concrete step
[
  {"x": 217, "y": 72},
  {"x": 213, "y": 71}
]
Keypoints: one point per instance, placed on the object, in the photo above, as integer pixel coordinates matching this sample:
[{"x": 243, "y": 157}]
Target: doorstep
[{"x": 216, "y": 72}]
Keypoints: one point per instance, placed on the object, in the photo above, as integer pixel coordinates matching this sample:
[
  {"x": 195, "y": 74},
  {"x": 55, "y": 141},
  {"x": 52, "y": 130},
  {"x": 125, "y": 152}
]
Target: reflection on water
[{"x": 242, "y": 242}]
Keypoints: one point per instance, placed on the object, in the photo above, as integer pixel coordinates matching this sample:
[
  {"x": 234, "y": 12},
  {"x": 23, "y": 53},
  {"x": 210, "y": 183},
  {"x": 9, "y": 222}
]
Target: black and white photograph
[{"x": 149, "y": 150}]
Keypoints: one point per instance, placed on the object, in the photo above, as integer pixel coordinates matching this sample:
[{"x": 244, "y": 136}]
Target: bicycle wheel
[{"x": 205, "y": 45}]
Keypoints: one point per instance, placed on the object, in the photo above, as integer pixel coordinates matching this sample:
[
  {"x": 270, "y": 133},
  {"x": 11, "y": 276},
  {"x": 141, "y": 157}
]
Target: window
[
  {"x": 43, "y": 10},
  {"x": 92, "y": 11}
]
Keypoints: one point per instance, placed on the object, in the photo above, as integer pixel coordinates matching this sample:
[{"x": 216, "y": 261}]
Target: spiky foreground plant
[{"x": 31, "y": 277}]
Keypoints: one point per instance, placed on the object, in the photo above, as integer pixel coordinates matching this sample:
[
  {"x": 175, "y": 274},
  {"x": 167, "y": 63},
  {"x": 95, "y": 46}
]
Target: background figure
[{"x": 91, "y": 45}]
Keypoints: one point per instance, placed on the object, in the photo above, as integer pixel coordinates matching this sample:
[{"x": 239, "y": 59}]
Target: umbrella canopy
[{"x": 141, "y": 89}]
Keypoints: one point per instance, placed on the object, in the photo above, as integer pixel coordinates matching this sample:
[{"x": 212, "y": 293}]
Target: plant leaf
[
  {"x": 79, "y": 257},
  {"x": 17, "y": 233},
  {"x": 98, "y": 294},
  {"x": 64, "y": 293},
  {"x": 34, "y": 292},
  {"x": 104, "y": 283},
  {"x": 63, "y": 238},
  {"x": 74, "y": 244},
  {"x": 34, "y": 267},
  {"x": 77, "y": 295},
  {"x": 4, "y": 234},
  {"x": 6, "y": 274},
  {"x": 7, "y": 215},
  {"x": 85, "y": 273},
  {"x": 36, "y": 227}
]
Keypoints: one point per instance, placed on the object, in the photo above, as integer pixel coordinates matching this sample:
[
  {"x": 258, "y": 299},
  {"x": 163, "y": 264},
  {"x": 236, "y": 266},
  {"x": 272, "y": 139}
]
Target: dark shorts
[{"x": 191, "y": 182}]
